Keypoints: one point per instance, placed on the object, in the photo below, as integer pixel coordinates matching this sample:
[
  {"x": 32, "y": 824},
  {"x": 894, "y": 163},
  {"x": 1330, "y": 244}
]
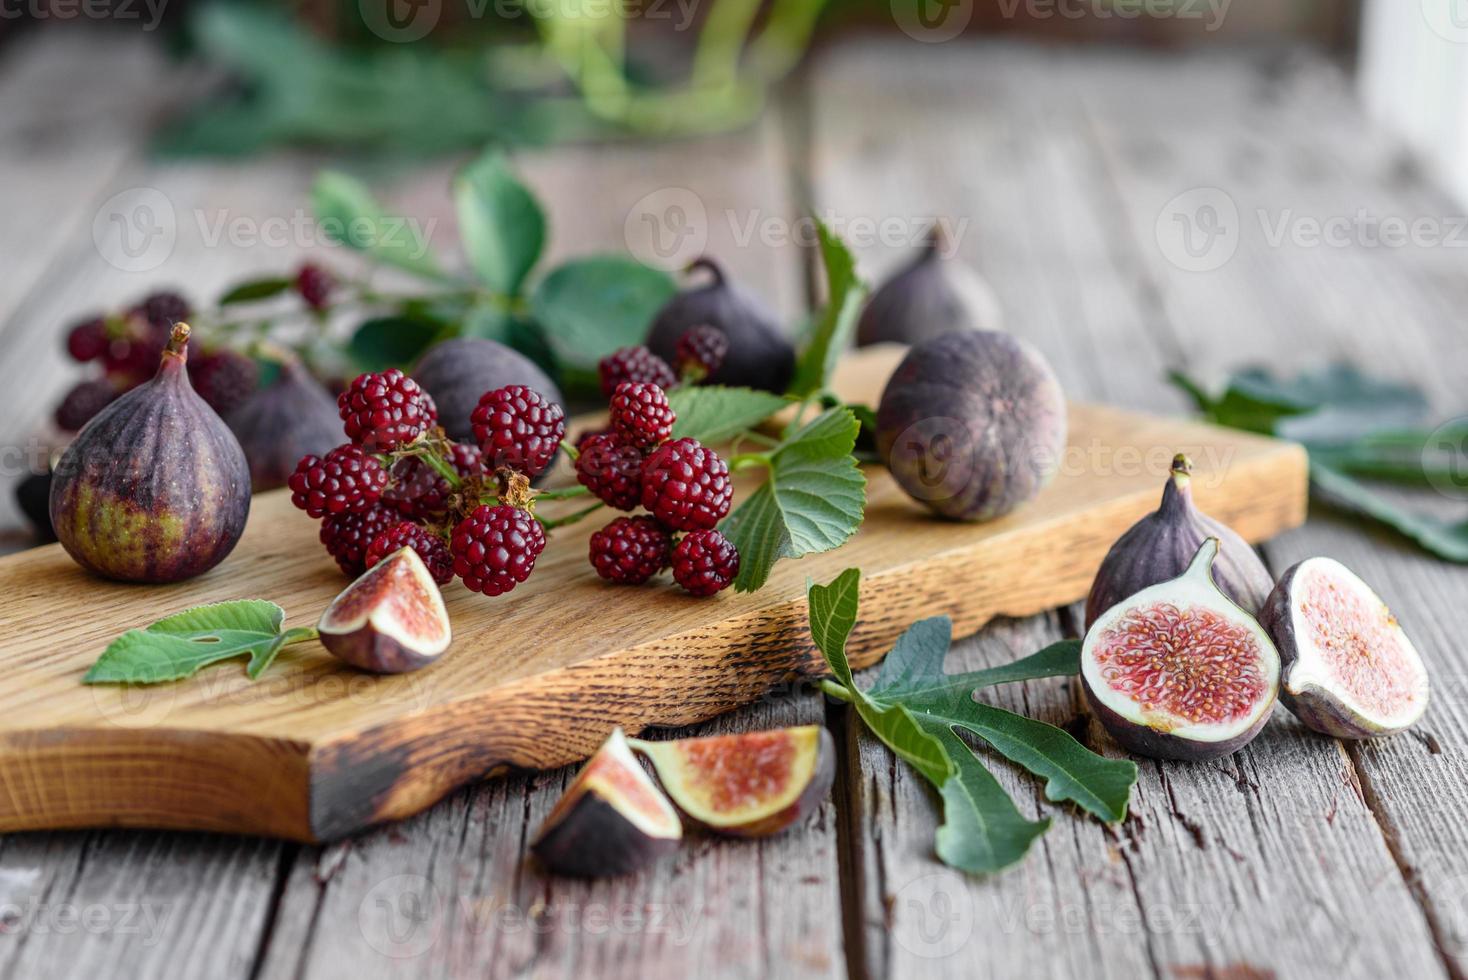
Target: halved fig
[
  {"x": 1349, "y": 670},
  {"x": 1178, "y": 671},
  {"x": 749, "y": 785},
  {"x": 612, "y": 820},
  {"x": 390, "y": 620}
]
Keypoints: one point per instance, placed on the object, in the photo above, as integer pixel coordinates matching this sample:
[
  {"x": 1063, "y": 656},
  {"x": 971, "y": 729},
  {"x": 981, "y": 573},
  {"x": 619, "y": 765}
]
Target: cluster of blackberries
[{"x": 684, "y": 486}]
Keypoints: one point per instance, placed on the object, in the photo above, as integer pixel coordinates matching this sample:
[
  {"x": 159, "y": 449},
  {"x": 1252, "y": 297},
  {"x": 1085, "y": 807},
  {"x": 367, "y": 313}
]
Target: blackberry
[
  {"x": 612, "y": 470},
  {"x": 701, "y": 352},
  {"x": 495, "y": 548},
  {"x": 387, "y": 410},
  {"x": 705, "y": 562},
  {"x": 163, "y": 309},
  {"x": 430, "y": 547},
  {"x": 346, "y": 481},
  {"x": 87, "y": 341},
  {"x": 348, "y": 536},
  {"x": 82, "y": 402},
  {"x": 418, "y": 491},
  {"x": 641, "y": 414},
  {"x": 315, "y": 285},
  {"x": 224, "y": 379},
  {"x": 584, "y": 437},
  {"x": 518, "y": 427},
  {"x": 634, "y": 364},
  {"x": 631, "y": 550},
  {"x": 686, "y": 486}
]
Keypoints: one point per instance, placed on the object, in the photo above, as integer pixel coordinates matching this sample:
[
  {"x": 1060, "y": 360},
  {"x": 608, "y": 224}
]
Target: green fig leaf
[{"x": 177, "y": 646}]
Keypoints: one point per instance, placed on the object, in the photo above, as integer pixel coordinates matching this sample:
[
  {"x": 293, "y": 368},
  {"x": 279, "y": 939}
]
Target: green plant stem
[
  {"x": 299, "y": 634},
  {"x": 570, "y": 450},
  {"x": 837, "y": 691},
  {"x": 745, "y": 460},
  {"x": 442, "y": 468},
  {"x": 571, "y": 518},
  {"x": 564, "y": 494}
]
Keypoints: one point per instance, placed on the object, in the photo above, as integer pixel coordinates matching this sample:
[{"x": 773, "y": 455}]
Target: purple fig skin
[
  {"x": 593, "y": 840},
  {"x": 759, "y": 355},
  {"x": 366, "y": 649},
  {"x": 1314, "y": 708},
  {"x": 155, "y": 488},
  {"x": 456, "y": 373},
  {"x": 929, "y": 297},
  {"x": 1160, "y": 546},
  {"x": 1140, "y": 740},
  {"x": 398, "y": 582},
  {"x": 972, "y": 424},
  {"x": 292, "y": 417}
]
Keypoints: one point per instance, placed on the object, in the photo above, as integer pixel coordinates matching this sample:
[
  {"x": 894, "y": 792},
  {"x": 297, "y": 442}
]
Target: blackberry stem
[
  {"x": 430, "y": 456},
  {"x": 570, "y": 518},
  {"x": 570, "y": 450},
  {"x": 745, "y": 460},
  {"x": 564, "y": 494}
]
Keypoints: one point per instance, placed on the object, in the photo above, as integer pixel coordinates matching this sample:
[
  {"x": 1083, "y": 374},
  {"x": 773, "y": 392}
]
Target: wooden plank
[{"x": 1182, "y": 888}]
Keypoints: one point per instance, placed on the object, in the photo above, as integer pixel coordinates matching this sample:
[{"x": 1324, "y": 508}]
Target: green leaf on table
[
  {"x": 813, "y": 500},
  {"x": 1446, "y": 539},
  {"x": 500, "y": 221},
  {"x": 845, "y": 293},
  {"x": 348, "y": 213},
  {"x": 589, "y": 307},
  {"x": 713, "y": 413},
  {"x": 177, "y": 646},
  {"x": 256, "y": 289},
  {"x": 391, "y": 341}
]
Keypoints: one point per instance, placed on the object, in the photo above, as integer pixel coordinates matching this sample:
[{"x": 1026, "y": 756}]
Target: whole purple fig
[
  {"x": 456, "y": 374},
  {"x": 759, "y": 355},
  {"x": 931, "y": 296},
  {"x": 1160, "y": 546},
  {"x": 155, "y": 488},
  {"x": 293, "y": 416}
]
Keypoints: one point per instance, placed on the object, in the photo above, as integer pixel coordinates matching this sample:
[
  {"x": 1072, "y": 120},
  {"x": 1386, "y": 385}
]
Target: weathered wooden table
[{"x": 1299, "y": 856}]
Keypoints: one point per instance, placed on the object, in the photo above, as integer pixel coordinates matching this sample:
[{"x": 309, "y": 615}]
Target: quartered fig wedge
[
  {"x": 1349, "y": 670},
  {"x": 612, "y": 820},
  {"x": 390, "y": 620},
  {"x": 749, "y": 785},
  {"x": 1179, "y": 671}
]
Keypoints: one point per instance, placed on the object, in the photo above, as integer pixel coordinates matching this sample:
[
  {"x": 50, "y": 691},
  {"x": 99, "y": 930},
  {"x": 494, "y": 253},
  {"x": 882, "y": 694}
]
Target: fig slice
[
  {"x": 1349, "y": 669},
  {"x": 390, "y": 620},
  {"x": 1178, "y": 671},
  {"x": 748, "y": 785},
  {"x": 612, "y": 819}
]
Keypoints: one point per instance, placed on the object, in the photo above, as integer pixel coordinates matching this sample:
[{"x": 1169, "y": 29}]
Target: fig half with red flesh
[
  {"x": 612, "y": 820},
  {"x": 1178, "y": 671},
  {"x": 1349, "y": 669},
  {"x": 748, "y": 785},
  {"x": 390, "y": 620}
]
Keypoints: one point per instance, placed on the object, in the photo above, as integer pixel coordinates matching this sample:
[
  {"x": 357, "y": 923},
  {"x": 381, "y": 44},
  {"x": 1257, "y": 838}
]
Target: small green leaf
[
  {"x": 179, "y": 645},
  {"x": 391, "y": 341},
  {"x": 812, "y": 502},
  {"x": 1446, "y": 539},
  {"x": 256, "y": 289},
  {"x": 590, "y": 307},
  {"x": 982, "y": 830},
  {"x": 845, "y": 294},
  {"x": 348, "y": 213},
  {"x": 500, "y": 221},
  {"x": 713, "y": 414}
]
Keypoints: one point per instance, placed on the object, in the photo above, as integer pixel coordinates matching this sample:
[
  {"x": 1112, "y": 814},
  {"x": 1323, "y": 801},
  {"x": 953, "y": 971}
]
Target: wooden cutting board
[{"x": 315, "y": 750}]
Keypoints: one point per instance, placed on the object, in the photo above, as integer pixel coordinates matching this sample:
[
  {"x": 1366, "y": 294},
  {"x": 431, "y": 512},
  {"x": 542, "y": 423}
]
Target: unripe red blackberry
[
  {"x": 346, "y": 481},
  {"x": 87, "y": 341},
  {"x": 495, "y": 548},
  {"x": 634, "y": 364},
  {"x": 701, "y": 352},
  {"x": 518, "y": 427},
  {"x": 416, "y": 489},
  {"x": 705, "y": 562},
  {"x": 315, "y": 284},
  {"x": 641, "y": 414},
  {"x": 631, "y": 550},
  {"x": 686, "y": 486},
  {"x": 348, "y": 536},
  {"x": 163, "y": 309},
  {"x": 83, "y": 401},
  {"x": 386, "y": 410},
  {"x": 612, "y": 470},
  {"x": 430, "y": 547}
]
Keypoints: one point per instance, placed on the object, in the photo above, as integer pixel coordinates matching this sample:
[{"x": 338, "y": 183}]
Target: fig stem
[
  {"x": 571, "y": 518},
  {"x": 710, "y": 266},
  {"x": 178, "y": 340},
  {"x": 838, "y": 691}
]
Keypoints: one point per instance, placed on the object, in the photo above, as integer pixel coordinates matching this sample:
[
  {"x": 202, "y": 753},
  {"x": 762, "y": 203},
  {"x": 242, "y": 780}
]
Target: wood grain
[{"x": 357, "y": 749}]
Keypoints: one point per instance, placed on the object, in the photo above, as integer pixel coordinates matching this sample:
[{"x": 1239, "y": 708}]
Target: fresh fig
[
  {"x": 1179, "y": 671},
  {"x": 749, "y": 785},
  {"x": 972, "y": 424},
  {"x": 1160, "y": 546},
  {"x": 390, "y": 620},
  {"x": 1349, "y": 669},
  {"x": 293, "y": 416},
  {"x": 929, "y": 297},
  {"x": 455, "y": 373},
  {"x": 33, "y": 496},
  {"x": 758, "y": 356},
  {"x": 612, "y": 820},
  {"x": 156, "y": 487}
]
